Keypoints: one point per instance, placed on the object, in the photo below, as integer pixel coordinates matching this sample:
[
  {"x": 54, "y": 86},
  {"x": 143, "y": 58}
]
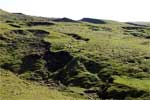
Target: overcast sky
[{"x": 120, "y": 10}]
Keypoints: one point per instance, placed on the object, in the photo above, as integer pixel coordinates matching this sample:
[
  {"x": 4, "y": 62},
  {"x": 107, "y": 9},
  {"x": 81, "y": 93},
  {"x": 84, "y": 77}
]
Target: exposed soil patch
[
  {"x": 133, "y": 27},
  {"x": 57, "y": 60},
  {"x": 38, "y": 32},
  {"x": 92, "y": 66},
  {"x": 77, "y": 37},
  {"x": 29, "y": 62},
  {"x": 9, "y": 21},
  {"x": 40, "y": 23},
  {"x": 40, "y": 46},
  {"x": 22, "y": 32},
  {"x": 13, "y": 25}
]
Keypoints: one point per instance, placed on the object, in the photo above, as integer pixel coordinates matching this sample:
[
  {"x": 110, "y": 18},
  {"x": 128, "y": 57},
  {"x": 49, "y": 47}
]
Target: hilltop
[{"x": 86, "y": 59}]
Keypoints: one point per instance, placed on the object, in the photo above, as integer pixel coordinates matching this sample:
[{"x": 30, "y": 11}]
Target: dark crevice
[
  {"x": 40, "y": 23},
  {"x": 76, "y": 36},
  {"x": 57, "y": 60},
  {"x": 38, "y": 32},
  {"x": 16, "y": 26},
  {"x": 133, "y": 27}
]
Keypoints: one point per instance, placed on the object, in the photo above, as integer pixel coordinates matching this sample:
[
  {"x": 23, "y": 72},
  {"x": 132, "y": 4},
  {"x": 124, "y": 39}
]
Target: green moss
[{"x": 141, "y": 84}]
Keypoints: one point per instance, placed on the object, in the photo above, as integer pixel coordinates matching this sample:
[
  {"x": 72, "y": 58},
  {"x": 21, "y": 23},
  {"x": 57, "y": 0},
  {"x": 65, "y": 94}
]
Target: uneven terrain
[{"x": 63, "y": 59}]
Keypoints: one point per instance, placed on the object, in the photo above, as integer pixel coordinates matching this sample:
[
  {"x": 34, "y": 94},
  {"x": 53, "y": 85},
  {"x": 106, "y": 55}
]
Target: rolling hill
[{"x": 86, "y": 59}]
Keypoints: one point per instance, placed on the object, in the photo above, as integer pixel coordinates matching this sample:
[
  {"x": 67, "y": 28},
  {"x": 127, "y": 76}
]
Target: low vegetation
[
  {"x": 86, "y": 59},
  {"x": 17, "y": 89}
]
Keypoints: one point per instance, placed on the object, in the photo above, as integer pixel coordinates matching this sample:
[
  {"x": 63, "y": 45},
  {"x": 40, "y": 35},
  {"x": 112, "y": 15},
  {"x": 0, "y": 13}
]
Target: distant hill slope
[
  {"x": 2, "y": 12},
  {"x": 94, "y": 21},
  {"x": 63, "y": 20},
  {"x": 139, "y": 23},
  {"x": 19, "y": 17},
  {"x": 100, "y": 21}
]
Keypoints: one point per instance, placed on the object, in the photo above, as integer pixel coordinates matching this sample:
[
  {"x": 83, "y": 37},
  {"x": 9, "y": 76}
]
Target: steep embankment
[{"x": 13, "y": 88}]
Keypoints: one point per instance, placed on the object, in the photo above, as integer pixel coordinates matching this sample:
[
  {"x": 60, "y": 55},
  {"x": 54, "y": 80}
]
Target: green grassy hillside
[
  {"x": 99, "y": 60},
  {"x": 13, "y": 88}
]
